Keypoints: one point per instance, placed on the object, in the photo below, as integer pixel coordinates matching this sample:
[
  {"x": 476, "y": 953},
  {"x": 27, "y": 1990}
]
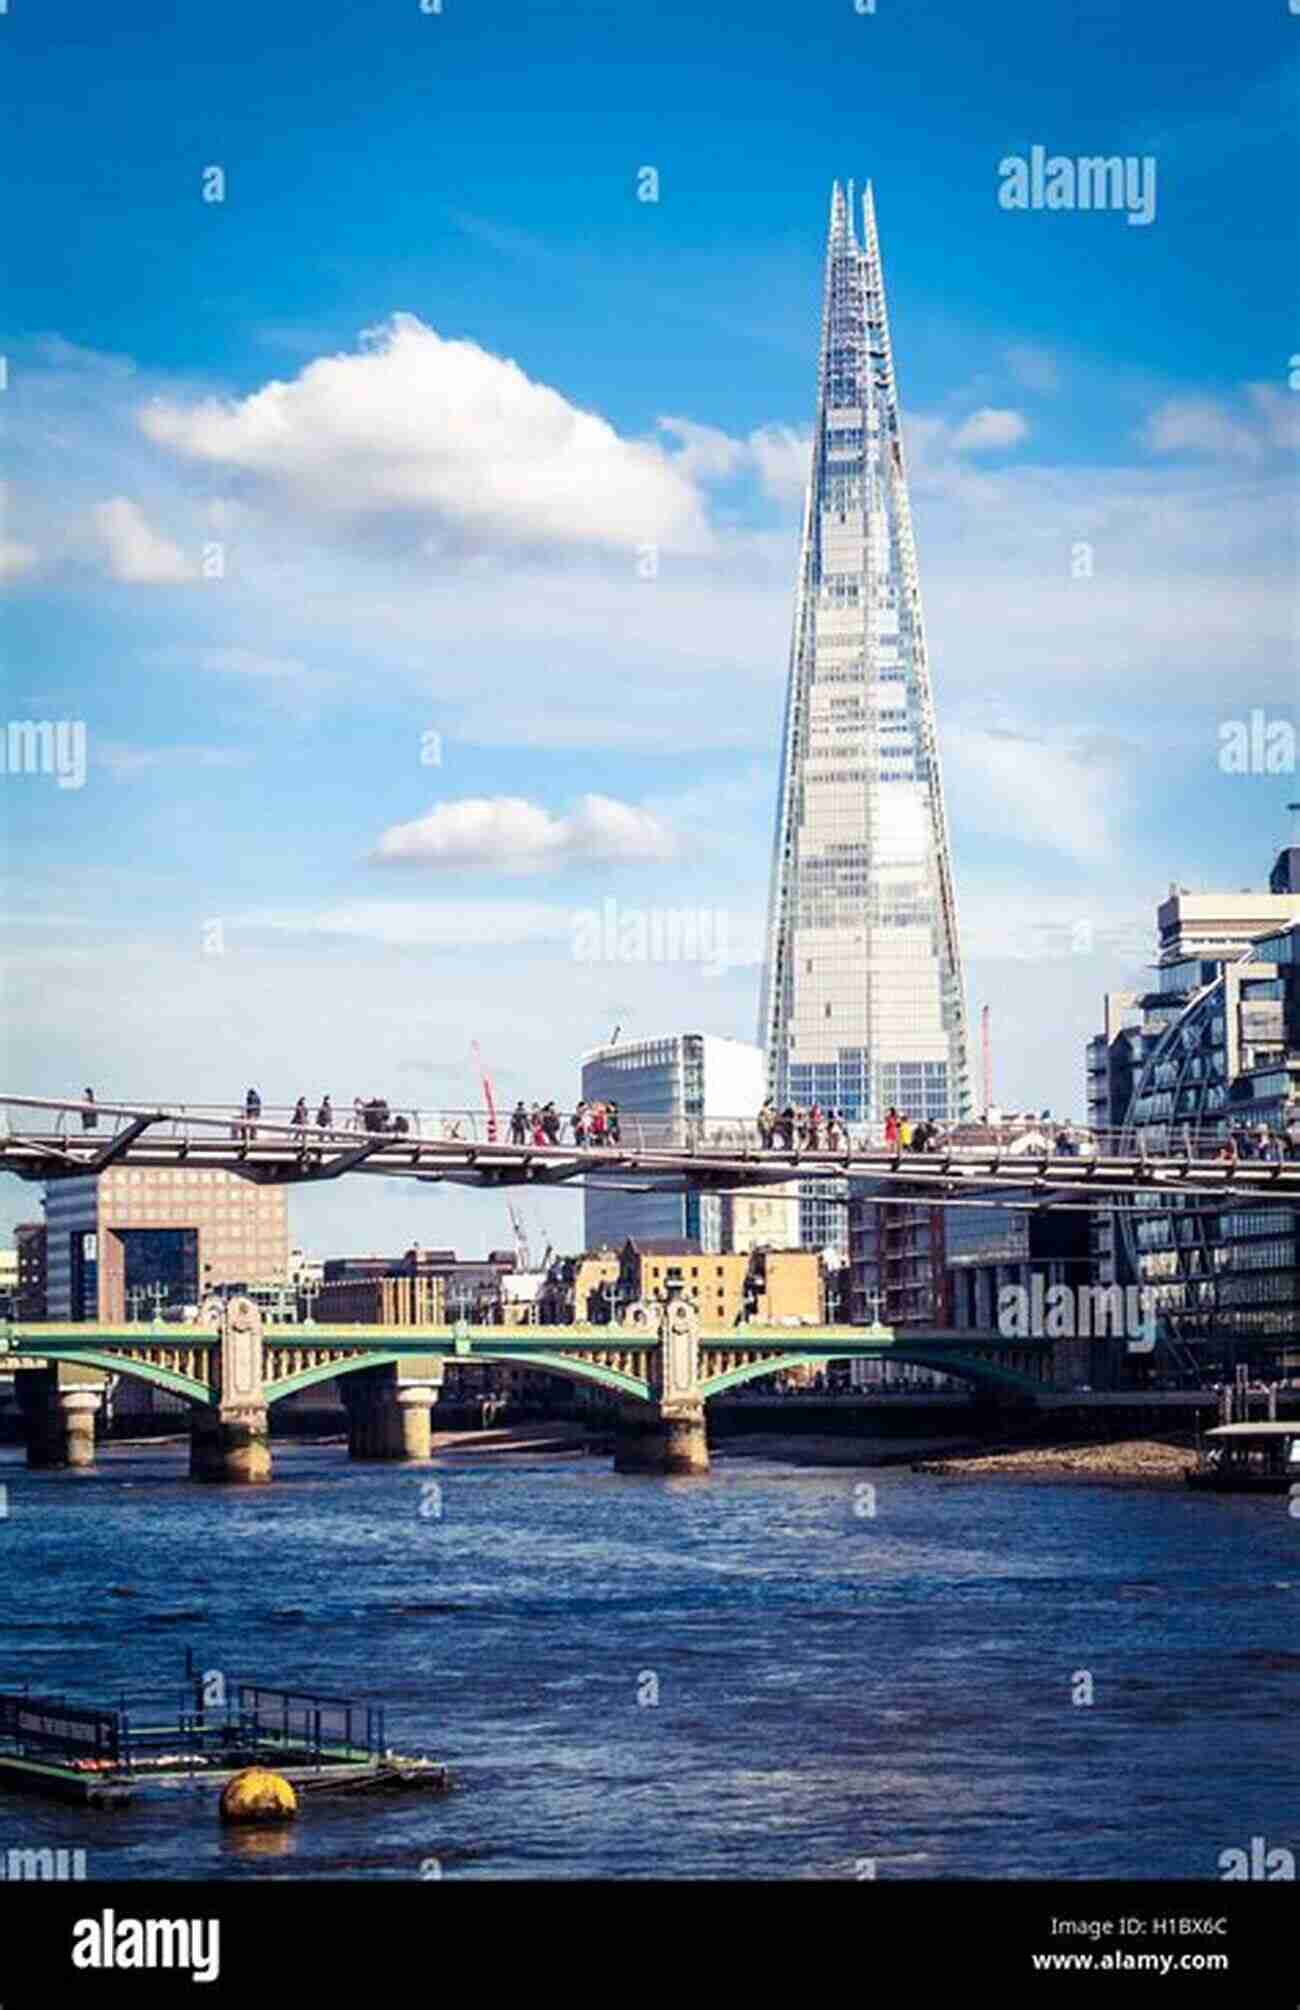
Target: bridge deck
[{"x": 458, "y": 1147}]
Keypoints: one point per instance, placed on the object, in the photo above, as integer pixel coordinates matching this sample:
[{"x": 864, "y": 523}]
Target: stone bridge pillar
[
  {"x": 390, "y": 1409},
  {"x": 58, "y": 1406},
  {"x": 230, "y": 1439},
  {"x": 667, "y": 1434}
]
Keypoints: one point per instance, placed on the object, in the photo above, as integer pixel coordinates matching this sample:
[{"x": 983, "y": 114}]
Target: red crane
[{"x": 488, "y": 1098}]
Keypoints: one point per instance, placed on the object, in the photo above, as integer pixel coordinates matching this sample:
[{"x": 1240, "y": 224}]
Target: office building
[
  {"x": 667, "y": 1090},
  {"x": 863, "y": 1002},
  {"x": 1218, "y": 1064},
  {"x": 138, "y": 1241}
]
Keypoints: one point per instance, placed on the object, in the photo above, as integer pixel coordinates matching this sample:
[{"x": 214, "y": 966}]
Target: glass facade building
[
  {"x": 664, "y": 1088},
  {"x": 1209, "y": 1056},
  {"x": 863, "y": 1003},
  {"x": 1222, "y": 1061},
  {"x": 136, "y": 1237}
]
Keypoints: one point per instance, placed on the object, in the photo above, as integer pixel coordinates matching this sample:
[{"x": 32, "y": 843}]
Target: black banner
[{"x": 254, "y": 1942}]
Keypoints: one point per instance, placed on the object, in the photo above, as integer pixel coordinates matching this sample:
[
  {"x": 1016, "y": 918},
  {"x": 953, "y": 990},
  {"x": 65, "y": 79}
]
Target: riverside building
[{"x": 1217, "y": 1061}]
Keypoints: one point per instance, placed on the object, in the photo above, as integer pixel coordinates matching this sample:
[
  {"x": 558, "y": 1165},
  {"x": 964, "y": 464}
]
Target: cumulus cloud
[
  {"x": 1067, "y": 794},
  {"x": 137, "y": 554},
  {"x": 705, "y": 453},
  {"x": 1264, "y": 420},
  {"x": 987, "y": 429},
  {"x": 510, "y": 834},
  {"x": 444, "y": 432},
  {"x": 782, "y": 457},
  {"x": 1199, "y": 426}
]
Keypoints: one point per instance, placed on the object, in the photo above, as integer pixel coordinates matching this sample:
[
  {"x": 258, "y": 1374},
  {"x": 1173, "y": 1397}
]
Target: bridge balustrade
[{"x": 637, "y": 1133}]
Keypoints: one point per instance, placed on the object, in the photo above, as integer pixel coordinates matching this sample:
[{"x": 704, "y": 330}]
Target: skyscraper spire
[
  {"x": 839, "y": 223},
  {"x": 863, "y": 1000}
]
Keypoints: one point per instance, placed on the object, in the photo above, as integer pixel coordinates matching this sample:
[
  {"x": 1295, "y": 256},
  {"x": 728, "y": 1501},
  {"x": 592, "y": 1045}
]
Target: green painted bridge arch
[{"x": 182, "y": 1360}]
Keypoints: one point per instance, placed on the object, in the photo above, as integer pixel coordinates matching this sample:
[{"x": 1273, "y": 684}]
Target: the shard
[{"x": 863, "y": 1000}]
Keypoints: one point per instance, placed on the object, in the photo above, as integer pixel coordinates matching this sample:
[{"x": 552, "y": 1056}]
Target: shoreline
[
  {"x": 1148, "y": 1462},
  {"x": 1140, "y": 1461}
]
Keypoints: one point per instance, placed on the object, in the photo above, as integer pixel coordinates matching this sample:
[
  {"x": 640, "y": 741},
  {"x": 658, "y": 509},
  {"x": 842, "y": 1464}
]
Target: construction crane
[
  {"x": 488, "y": 1098},
  {"x": 523, "y": 1254},
  {"x": 987, "y": 1055}
]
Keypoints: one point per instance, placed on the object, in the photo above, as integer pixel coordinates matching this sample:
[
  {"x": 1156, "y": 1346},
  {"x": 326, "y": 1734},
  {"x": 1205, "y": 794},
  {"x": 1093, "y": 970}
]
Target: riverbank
[
  {"x": 828, "y": 1449},
  {"x": 556, "y": 1436},
  {"x": 1131, "y": 1461}
]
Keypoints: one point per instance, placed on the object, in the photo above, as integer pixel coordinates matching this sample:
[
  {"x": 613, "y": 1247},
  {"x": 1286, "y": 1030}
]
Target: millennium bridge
[{"x": 65, "y": 1140}]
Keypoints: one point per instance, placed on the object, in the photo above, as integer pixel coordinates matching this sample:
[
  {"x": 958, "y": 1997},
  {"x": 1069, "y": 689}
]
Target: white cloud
[
  {"x": 137, "y": 555},
  {"x": 706, "y": 453},
  {"x": 1278, "y": 414},
  {"x": 988, "y": 429},
  {"x": 1199, "y": 426},
  {"x": 1035, "y": 368},
  {"x": 782, "y": 456},
  {"x": 444, "y": 432},
  {"x": 1066, "y": 794},
  {"x": 1268, "y": 419},
  {"x": 15, "y": 558},
  {"x": 249, "y": 663},
  {"x": 510, "y": 834},
  {"x": 459, "y": 924},
  {"x": 125, "y": 762}
]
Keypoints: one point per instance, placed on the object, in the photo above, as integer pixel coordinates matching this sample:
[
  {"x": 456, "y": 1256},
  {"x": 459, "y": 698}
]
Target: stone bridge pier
[
  {"x": 59, "y": 1405},
  {"x": 667, "y": 1434},
  {"x": 230, "y": 1438},
  {"x": 390, "y": 1409}
]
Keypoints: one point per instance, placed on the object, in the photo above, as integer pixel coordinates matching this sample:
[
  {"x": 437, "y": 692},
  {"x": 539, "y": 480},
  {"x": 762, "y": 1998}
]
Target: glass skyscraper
[{"x": 863, "y": 1002}]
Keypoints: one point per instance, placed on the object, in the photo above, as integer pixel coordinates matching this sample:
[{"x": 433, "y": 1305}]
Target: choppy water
[{"x": 831, "y": 1686}]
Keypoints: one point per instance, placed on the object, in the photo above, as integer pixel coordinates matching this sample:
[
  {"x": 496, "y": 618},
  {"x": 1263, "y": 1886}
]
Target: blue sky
[{"x": 434, "y": 381}]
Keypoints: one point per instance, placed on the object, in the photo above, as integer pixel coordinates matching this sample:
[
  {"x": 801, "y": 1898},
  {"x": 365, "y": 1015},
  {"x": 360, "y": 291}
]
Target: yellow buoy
[{"x": 257, "y": 1795}]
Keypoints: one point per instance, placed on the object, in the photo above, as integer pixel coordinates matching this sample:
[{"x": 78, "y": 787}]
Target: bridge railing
[{"x": 626, "y": 1131}]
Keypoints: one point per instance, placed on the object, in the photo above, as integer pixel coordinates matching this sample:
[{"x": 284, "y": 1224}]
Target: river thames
[{"x": 745, "y": 1675}]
